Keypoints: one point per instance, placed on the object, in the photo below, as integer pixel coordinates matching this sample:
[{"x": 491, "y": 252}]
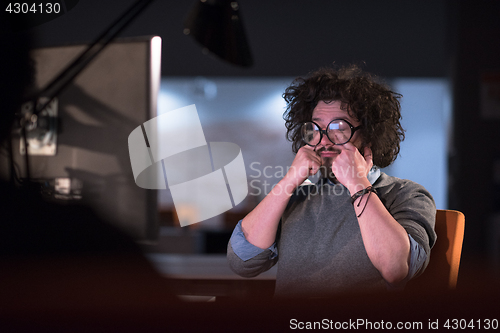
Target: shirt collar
[{"x": 373, "y": 175}]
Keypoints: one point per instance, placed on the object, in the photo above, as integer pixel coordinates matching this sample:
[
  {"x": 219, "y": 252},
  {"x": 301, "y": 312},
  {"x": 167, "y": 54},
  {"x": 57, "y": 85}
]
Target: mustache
[
  {"x": 328, "y": 149},
  {"x": 336, "y": 150}
]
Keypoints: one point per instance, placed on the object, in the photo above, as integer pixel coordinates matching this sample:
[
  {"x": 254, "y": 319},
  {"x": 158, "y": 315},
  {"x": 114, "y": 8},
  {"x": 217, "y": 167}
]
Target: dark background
[
  {"x": 459, "y": 40},
  {"x": 286, "y": 38}
]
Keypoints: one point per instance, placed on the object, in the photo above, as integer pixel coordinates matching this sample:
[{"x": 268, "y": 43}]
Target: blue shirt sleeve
[
  {"x": 244, "y": 249},
  {"x": 417, "y": 258}
]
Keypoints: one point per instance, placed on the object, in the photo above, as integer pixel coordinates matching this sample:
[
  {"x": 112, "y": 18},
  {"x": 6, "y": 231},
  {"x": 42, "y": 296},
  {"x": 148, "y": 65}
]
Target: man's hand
[
  {"x": 306, "y": 163},
  {"x": 351, "y": 168},
  {"x": 261, "y": 224}
]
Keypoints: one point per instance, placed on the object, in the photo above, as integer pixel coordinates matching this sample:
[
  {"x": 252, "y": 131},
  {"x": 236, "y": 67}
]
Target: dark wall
[
  {"x": 394, "y": 38},
  {"x": 475, "y": 148}
]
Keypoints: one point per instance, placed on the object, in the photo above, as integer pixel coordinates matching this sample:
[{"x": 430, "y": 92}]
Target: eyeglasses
[{"x": 338, "y": 131}]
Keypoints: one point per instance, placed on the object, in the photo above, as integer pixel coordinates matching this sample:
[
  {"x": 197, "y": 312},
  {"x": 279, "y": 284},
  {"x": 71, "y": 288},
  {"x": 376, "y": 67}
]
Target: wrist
[
  {"x": 288, "y": 185},
  {"x": 359, "y": 185},
  {"x": 295, "y": 176}
]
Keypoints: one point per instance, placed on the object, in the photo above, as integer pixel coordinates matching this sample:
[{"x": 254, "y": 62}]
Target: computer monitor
[{"x": 89, "y": 160}]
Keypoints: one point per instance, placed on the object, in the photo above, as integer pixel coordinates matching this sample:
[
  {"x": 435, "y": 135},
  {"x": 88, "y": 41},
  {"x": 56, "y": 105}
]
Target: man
[{"x": 356, "y": 229}]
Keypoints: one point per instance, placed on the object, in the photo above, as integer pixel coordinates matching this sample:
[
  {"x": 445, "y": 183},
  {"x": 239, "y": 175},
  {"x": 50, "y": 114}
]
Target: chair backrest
[{"x": 442, "y": 271}]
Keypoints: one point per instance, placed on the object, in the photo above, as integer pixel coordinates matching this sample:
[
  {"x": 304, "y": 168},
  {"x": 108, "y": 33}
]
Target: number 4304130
[
  {"x": 471, "y": 324},
  {"x": 25, "y": 8}
]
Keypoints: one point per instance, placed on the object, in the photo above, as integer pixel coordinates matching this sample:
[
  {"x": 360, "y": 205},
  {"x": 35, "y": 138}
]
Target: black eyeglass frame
[{"x": 324, "y": 131}]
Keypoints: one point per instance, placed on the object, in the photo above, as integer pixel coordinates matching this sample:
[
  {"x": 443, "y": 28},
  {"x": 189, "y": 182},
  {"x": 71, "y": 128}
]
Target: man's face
[{"x": 323, "y": 114}]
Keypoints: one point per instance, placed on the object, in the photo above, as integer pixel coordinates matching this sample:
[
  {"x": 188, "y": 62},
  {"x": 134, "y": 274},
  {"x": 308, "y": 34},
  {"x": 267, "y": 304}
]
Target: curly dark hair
[{"x": 361, "y": 94}]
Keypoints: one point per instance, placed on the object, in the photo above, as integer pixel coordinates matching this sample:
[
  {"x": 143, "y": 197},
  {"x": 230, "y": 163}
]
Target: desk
[{"x": 210, "y": 275}]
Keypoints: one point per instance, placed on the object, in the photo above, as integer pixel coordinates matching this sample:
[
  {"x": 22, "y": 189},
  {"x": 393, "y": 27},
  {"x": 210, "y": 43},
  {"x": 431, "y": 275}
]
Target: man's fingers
[
  {"x": 311, "y": 153},
  {"x": 306, "y": 147},
  {"x": 313, "y": 168},
  {"x": 349, "y": 146},
  {"x": 308, "y": 161},
  {"x": 368, "y": 155}
]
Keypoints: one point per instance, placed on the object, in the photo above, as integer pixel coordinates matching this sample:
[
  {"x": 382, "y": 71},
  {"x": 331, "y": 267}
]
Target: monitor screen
[{"x": 87, "y": 160}]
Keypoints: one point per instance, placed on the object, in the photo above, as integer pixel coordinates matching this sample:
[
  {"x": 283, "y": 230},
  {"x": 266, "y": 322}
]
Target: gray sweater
[{"x": 320, "y": 249}]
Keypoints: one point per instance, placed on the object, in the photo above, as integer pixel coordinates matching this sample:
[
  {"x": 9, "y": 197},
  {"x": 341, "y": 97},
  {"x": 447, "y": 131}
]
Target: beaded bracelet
[{"x": 359, "y": 194}]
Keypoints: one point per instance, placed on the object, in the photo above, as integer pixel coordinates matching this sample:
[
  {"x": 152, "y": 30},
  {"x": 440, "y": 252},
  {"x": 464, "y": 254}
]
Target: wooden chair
[{"x": 442, "y": 271}]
